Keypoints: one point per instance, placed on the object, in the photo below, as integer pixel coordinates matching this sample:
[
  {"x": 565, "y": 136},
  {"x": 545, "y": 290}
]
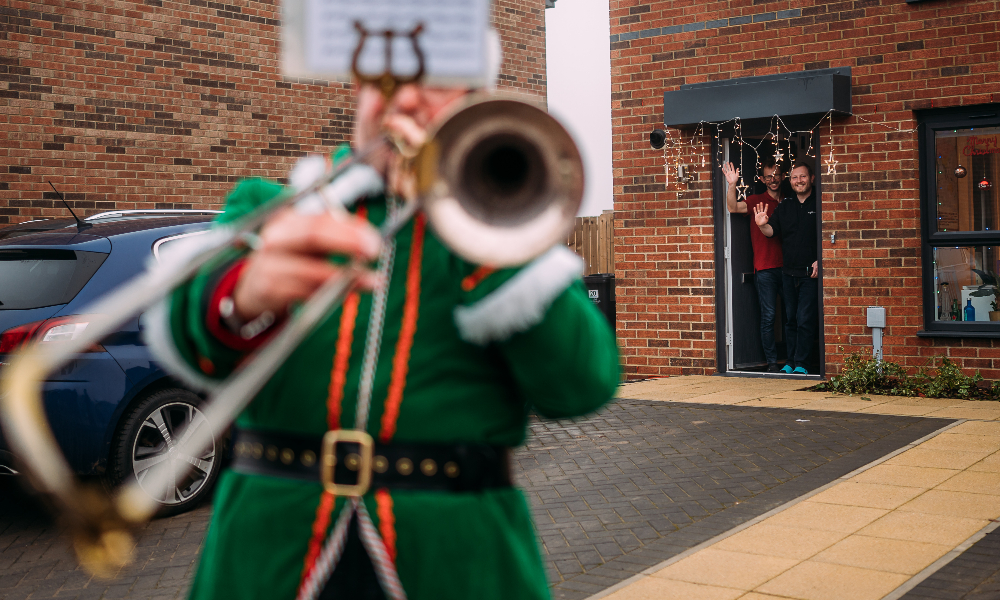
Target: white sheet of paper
[{"x": 319, "y": 38}]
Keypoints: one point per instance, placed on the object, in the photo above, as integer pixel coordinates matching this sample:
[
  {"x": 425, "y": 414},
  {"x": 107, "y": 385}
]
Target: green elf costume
[{"x": 447, "y": 359}]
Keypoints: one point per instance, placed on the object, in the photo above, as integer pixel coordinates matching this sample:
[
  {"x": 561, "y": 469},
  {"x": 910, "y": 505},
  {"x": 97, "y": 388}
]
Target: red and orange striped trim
[
  {"x": 334, "y": 401},
  {"x": 386, "y": 521},
  {"x": 470, "y": 282},
  {"x": 401, "y": 361}
]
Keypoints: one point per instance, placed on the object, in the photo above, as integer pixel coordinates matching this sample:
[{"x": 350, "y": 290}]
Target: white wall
[{"x": 578, "y": 57}]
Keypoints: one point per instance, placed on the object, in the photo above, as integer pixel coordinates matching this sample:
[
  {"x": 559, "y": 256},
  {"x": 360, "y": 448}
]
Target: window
[
  {"x": 960, "y": 164},
  {"x": 43, "y": 277}
]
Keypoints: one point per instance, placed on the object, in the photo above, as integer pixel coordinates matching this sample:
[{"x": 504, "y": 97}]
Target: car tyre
[{"x": 146, "y": 439}]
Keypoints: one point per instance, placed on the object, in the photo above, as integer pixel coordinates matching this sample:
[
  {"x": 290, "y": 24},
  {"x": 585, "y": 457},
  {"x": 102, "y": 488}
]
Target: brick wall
[
  {"x": 166, "y": 103},
  {"x": 904, "y": 57}
]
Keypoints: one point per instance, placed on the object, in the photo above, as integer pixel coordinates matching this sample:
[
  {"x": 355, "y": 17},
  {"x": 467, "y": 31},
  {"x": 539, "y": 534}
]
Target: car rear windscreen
[{"x": 44, "y": 277}]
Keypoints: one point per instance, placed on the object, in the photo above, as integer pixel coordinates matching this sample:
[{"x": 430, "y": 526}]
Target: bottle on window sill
[
  {"x": 970, "y": 311},
  {"x": 954, "y": 310}
]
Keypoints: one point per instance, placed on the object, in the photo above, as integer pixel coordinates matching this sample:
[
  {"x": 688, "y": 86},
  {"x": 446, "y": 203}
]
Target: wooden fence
[{"x": 593, "y": 239}]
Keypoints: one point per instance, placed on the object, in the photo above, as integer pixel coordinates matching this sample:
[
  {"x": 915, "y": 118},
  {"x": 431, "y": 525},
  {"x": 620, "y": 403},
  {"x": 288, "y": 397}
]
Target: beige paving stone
[
  {"x": 825, "y": 581},
  {"x": 880, "y": 554},
  {"x": 979, "y": 404},
  {"x": 946, "y": 530},
  {"x": 990, "y": 463},
  {"x": 891, "y": 408},
  {"x": 726, "y": 569},
  {"x": 976, "y": 482},
  {"x": 868, "y": 495},
  {"x": 826, "y": 517},
  {"x": 776, "y": 402},
  {"x": 932, "y": 402},
  {"x": 939, "y": 459},
  {"x": 984, "y": 414},
  {"x": 837, "y": 404},
  {"x": 903, "y": 475},
  {"x": 956, "y": 504},
  {"x": 728, "y": 397},
  {"x": 775, "y": 540},
  {"x": 962, "y": 442},
  {"x": 977, "y": 428},
  {"x": 759, "y": 596},
  {"x": 652, "y": 588}
]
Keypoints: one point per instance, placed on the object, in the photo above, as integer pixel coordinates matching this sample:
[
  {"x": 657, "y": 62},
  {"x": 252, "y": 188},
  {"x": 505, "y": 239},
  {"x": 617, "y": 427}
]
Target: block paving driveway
[{"x": 613, "y": 494}]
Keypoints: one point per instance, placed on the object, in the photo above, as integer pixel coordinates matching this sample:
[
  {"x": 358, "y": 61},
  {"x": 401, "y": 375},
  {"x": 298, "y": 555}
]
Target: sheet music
[{"x": 320, "y": 38}]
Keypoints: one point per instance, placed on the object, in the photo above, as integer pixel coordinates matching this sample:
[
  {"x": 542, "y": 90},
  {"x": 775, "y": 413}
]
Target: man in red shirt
[{"x": 766, "y": 251}]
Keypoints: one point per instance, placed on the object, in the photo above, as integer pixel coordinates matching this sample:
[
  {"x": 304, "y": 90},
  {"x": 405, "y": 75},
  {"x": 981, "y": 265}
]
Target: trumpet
[{"x": 500, "y": 182}]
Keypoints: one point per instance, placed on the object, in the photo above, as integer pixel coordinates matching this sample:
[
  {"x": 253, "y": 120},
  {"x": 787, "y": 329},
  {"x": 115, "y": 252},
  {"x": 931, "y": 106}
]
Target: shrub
[{"x": 864, "y": 375}]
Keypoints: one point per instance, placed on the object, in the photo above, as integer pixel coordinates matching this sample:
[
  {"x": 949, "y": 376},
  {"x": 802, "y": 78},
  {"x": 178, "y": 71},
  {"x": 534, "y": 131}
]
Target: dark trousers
[
  {"x": 801, "y": 317},
  {"x": 768, "y": 283},
  {"x": 354, "y": 576}
]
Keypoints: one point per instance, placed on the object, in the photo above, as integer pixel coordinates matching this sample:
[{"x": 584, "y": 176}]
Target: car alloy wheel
[
  {"x": 155, "y": 447},
  {"x": 148, "y": 441}
]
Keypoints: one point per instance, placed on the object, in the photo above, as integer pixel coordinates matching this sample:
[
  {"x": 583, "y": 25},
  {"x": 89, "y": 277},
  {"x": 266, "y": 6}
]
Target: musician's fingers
[
  {"x": 407, "y": 128},
  {"x": 273, "y": 281},
  {"x": 321, "y": 234}
]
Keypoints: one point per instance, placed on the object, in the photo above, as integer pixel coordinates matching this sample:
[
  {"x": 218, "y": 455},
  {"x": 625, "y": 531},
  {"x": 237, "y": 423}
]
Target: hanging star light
[
  {"x": 831, "y": 165},
  {"x": 741, "y": 189}
]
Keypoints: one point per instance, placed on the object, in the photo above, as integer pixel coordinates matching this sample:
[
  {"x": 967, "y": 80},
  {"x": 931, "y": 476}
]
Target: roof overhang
[{"x": 785, "y": 94}]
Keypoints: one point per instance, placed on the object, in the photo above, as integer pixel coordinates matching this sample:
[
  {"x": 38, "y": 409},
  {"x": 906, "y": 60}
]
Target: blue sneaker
[
  {"x": 800, "y": 371},
  {"x": 786, "y": 369}
]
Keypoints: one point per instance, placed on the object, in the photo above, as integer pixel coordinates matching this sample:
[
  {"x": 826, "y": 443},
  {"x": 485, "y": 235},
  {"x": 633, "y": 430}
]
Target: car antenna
[{"x": 80, "y": 225}]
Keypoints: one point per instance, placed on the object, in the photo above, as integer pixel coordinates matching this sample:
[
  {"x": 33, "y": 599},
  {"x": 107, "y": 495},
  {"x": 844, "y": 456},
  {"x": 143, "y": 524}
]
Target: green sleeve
[
  {"x": 188, "y": 304},
  {"x": 567, "y": 365}
]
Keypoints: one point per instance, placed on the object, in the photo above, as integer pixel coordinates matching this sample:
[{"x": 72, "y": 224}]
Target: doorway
[{"x": 740, "y": 351}]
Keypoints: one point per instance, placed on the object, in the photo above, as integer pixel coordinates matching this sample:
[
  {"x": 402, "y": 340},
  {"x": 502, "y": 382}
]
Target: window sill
[{"x": 959, "y": 334}]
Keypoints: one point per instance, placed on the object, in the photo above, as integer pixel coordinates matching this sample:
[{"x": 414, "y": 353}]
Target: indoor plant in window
[{"x": 990, "y": 287}]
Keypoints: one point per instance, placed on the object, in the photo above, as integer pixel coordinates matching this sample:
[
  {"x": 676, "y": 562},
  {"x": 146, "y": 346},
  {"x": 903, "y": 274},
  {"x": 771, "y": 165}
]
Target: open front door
[{"x": 738, "y": 310}]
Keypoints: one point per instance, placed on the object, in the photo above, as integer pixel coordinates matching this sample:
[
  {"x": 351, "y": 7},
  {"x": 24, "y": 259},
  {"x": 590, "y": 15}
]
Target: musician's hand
[
  {"x": 406, "y": 117},
  {"x": 292, "y": 263},
  {"x": 760, "y": 214}
]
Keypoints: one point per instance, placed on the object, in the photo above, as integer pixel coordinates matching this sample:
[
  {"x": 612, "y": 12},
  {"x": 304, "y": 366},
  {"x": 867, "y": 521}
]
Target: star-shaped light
[
  {"x": 778, "y": 155},
  {"x": 741, "y": 189},
  {"x": 831, "y": 166}
]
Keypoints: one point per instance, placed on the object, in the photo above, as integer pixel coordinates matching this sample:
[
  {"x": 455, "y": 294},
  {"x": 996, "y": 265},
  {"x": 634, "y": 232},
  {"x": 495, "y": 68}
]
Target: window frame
[{"x": 928, "y": 122}]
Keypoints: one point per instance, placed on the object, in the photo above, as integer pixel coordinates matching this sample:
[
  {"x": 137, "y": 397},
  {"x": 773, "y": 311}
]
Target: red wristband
[{"x": 213, "y": 320}]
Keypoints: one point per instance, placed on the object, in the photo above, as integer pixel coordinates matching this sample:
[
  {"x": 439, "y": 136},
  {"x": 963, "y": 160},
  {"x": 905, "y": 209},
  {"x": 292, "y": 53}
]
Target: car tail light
[
  {"x": 49, "y": 331},
  {"x": 15, "y": 337}
]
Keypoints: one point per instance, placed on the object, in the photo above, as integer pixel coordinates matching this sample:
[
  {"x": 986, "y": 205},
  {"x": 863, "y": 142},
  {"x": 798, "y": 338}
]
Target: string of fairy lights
[{"x": 674, "y": 149}]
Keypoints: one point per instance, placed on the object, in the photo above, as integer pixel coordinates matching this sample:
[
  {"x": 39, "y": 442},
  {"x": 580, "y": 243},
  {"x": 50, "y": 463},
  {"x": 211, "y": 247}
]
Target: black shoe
[{"x": 773, "y": 368}]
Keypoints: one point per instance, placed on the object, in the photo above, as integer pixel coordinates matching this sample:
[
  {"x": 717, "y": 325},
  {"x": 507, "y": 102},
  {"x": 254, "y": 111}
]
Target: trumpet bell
[{"x": 501, "y": 181}]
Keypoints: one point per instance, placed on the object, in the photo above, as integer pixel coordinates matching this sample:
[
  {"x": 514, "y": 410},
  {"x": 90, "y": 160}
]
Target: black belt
[
  {"x": 348, "y": 462},
  {"x": 798, "y": 271}
]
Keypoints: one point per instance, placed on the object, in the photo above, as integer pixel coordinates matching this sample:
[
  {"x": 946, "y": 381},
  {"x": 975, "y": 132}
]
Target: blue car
[{"x": 113, "y": 410}]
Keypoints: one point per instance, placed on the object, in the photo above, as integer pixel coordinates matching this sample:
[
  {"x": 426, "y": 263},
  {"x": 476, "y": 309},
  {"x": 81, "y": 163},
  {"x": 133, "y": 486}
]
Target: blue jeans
[
  {"x": 768, "y": 284},
  {"x": 801, "y": 317}
]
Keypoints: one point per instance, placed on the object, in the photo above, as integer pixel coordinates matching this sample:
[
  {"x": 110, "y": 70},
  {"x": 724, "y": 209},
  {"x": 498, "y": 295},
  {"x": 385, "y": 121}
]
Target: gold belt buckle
[{"x": 360, "y": 463}]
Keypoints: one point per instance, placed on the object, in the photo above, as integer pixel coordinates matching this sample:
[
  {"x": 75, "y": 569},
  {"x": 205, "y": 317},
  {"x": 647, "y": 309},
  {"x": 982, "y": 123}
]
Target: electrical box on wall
[{"x": 876, "y": 316}]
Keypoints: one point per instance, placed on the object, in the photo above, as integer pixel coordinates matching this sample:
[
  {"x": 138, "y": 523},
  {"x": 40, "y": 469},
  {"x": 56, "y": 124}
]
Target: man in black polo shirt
[{"x": 794, "y": 222}]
